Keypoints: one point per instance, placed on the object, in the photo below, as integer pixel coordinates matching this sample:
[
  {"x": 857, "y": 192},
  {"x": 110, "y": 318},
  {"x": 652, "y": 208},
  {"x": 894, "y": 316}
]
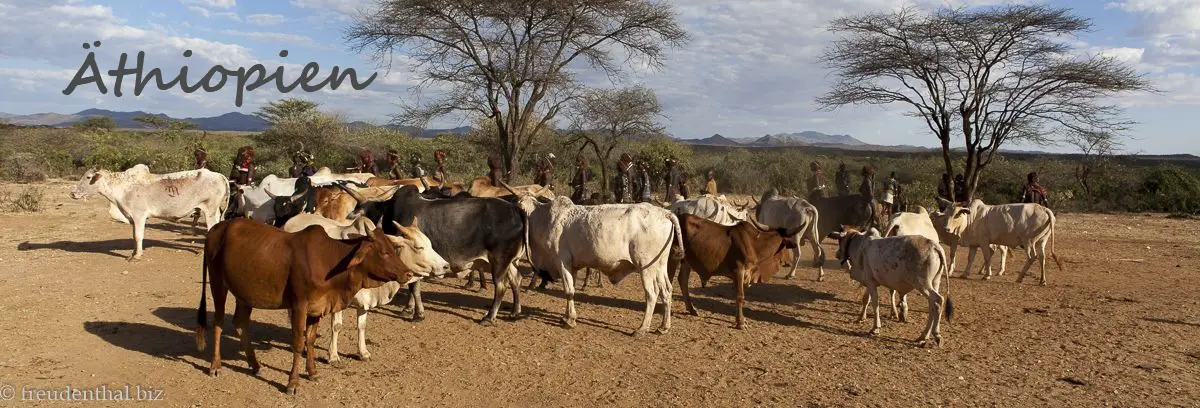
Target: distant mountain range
[{"x": 235, "y": 121}]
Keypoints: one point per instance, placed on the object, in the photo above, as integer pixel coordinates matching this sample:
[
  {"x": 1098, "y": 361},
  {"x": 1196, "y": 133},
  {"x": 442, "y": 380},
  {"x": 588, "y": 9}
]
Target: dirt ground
[{"x": 1119, "y": 327}]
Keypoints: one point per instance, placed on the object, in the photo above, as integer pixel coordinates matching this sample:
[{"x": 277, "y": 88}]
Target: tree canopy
[{"x": 992, "y": 75}]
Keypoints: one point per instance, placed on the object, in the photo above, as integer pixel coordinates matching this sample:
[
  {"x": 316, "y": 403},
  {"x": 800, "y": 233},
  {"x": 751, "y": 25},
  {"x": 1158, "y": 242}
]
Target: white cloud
[
  {"x": 206, "y": 13},
  {"x": 345, "y": 7},
  {"x": 264, "y": 19},
  {"x": 223, "y": 4},
  {"x": 286, "y": 39}
]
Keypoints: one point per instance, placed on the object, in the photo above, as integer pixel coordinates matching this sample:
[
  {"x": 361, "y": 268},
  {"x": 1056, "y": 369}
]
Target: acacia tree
[
  {"x": 512, "y": 60},
  {"x": 604, "y": 118},
  {"x": 287, "y": 109},
  {"x": 992, "y": 75},
  {"x": 1096, "y": 149}
]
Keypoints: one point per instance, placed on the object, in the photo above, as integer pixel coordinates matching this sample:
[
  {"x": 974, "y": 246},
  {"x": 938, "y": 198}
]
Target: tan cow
[{"x": 1029, "y": 226}]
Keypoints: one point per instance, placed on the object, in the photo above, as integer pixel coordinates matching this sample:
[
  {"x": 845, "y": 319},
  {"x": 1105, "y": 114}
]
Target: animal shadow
[{"x": 109, "y": 247}]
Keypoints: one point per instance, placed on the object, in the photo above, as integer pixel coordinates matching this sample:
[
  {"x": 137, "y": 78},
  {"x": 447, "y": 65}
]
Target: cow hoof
[
  {"x": 314, "y": 377},
  {"x": 987, "y": 277},
  {"x": 291, "y": 389},
  {"x": 1043, "y": 282},
  {"x": 740, "y": 326},
  {"x": 873, "y": 333},
  {"x": 569, "y": 323},
  {"x": 255, "y": 369},
  {"x": 662, "y": 330},
  {"x": 480, "y": 289},
  {"x": 365, "y": 358},
  {"x": 638, "y": 333},
  {"x": 487, "y": 322},
  {"x": 214, "y": 372},
  {"x": 134, "y": 258},
  {"x": 417, "y": 318},
  {"x": 693, "y": 312}
]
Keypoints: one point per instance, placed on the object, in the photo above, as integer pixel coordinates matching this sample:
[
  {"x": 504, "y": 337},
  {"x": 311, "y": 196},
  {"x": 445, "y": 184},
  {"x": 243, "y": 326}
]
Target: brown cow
[
  {"x": 744, "y": 252},
  {"x": 338, "y": 201},
  {"x": 307, "y": 273}
]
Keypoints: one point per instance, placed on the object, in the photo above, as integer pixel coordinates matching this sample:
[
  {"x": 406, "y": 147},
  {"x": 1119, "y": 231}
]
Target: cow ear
[
  {"x": 353, "y": 236},
  {"x": 95, "y": 178}
]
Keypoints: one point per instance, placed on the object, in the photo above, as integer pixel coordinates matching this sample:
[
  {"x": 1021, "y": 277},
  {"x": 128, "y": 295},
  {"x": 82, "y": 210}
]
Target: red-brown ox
[
  {"x": 338, "y": 201},
  {"x": 482, "y": 187},
  {"x": 743, "y": 252},
  {"x": 307, "y": 273}
]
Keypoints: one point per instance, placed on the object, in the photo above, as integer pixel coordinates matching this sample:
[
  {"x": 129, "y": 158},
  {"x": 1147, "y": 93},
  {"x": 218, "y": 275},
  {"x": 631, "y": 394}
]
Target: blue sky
[{"x": 749, "y": 71}]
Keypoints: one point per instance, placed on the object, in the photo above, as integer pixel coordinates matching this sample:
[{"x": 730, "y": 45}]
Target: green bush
[{"x": 1171, "y": 189}]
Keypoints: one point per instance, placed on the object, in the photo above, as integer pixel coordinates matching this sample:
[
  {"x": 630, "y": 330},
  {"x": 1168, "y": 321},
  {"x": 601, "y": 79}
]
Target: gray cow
[{"x": 791, "y": 213}]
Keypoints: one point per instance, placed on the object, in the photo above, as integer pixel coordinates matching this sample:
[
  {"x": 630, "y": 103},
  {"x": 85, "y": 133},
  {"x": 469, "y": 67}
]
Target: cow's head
[
  {"x": 416, "y": 252},
  {"x": 87, "y": 185},
  {"x": 952, "y": 221},
  {"x": 376, "y": 257},
  {"x": 850, "y": 242}
]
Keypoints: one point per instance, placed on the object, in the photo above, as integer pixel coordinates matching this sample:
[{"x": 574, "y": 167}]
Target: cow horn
[
  {"x": 357, "y": 198},
  {"x": 506, "y": 187},
  {"x": 753, "y": 219}
]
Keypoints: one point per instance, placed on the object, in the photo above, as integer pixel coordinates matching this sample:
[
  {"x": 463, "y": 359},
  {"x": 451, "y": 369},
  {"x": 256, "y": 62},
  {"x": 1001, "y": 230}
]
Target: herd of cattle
[{"x": 318, "y": 245}]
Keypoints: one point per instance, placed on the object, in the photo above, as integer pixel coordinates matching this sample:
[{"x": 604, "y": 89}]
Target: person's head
[
  {"x": 1032, "y": 177},
  {"x": 493, "y": 162},
  {"x": 892, "y": 175},
  {"x": 393, "y": 155},
  {"x": 550, "y": 157},
  {"x": 814, "y": 166},
  {"x": 670, "y": 162},
  {"x": 625, "y": 158},
  {"x": 842, "y": 166},
  {"x": 868, "y": 171},
  {"x": 712, "y": 175},
  {"x": 439, "y": 156},
  {"x": 414, "y": 158},
  {"x": 581, "y": 161},
  {"x": 959, "y": 177}
]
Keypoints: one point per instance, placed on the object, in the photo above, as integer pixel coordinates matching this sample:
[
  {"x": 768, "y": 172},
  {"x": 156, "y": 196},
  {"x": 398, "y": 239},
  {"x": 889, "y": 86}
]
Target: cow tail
[
  {"x": 944, "y": 270},
  {"x": 224, "y": 205},
  {"x": 202, "y": 311},
  {"x": 1053, "y": 220},
  {"x": 814, "y": 234},
  {"x": 677, "y": 247},
  {"x": 528, "y": 248}
]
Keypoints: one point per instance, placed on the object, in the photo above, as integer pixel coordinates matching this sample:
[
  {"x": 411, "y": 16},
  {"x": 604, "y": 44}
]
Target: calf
[
  {"x": 307, "y": 273},
  {"x": 616, "y": 239},
  {"x": 139, "y": 195},
  {"x": 1028, "y": 226},
  {"x": 903, "y": 264},
  {"x": 740, "y": 252}
]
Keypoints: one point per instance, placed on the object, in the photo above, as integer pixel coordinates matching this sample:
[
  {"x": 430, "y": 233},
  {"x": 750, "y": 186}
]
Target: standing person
[
  {"x": 842, "y": 178},
  {"x": 493, "y": 163},
  {"x": 201, "y": 156},
  {"x": 242, "y": 174},
  {"x": 415, "y": 170},
  {"x": 1034, "y": 192},
  {"x": 365, "y": 163},
  {"x": 710, "y": 187},
  {"x": 642, "y": 193},
  {"x": 684, "y": 179},
  {"x": 960, "y": 189},
  {"x": 672, "y": 180},
  {"x": 867, "y": 187},
  {"x": 943, "y": 191},
  {"x": 302, "y": 165},
  {"x": 545, "y": 172},
  {"x": 890, "y": 192},
  {"x": 816, "y": 183},
  {"x": 622, "y": 189},
  {"x": 393, "y": 160},
  {"x": 580, "y": 179},
  {"x": 439, "y": 172}
]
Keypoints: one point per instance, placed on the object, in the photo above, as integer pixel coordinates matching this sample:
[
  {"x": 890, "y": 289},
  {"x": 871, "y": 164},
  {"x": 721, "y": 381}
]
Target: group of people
[
  {"x": 1032, "y": 192},
  {"x": 631, "y": 183},
  {"x": 891, "y": 198}
]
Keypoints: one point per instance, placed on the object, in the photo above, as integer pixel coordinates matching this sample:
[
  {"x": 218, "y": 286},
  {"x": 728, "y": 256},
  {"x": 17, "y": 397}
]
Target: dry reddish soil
[{"x": 1118, "y": 327}]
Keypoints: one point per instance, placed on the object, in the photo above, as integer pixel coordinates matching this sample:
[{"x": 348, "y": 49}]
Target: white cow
[
  {"x": 715, "y": 209},
  {"x": 365, "y": 299},
  {"x": 139, "y": 195},
  {"x": 617, "y": 239},
  {"x": 903, "y": 264},
  {"x": 1029, "y": 226},
  {"x": 256, "y": 201}
]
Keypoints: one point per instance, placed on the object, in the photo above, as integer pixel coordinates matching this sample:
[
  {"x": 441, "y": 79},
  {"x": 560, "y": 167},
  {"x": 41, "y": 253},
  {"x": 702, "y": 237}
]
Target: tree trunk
[{"x": 948, "y": 162}]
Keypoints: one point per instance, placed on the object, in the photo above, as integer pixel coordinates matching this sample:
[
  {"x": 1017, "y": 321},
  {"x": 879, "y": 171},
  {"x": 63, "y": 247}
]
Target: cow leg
[
  {"x": 241, "y": 327},
  {"x": 953, "y": 255},
  {"x": 874, "y": 293},
  {"x": 336, "y": 333},
  {"x": 310, "y": 341},
  {"x": 1031, "y": 256},
  {"x": 514, "y": 284},
  {"x": 1041, "y": 254},
  {"x": 298, "y": 329},
  {"x": 599, "y": 277},
  {"x": 1003, "y": 258},
  {"x": 866, "y": 298},
  {"x": 986, "y": 269},
  {"x": 363, "y": 354},
  {"x": 418, "y": 307},
  {"x": 219, "y": 294},
  {"x": 739, "y": 280},
  {"x": 685, "y": 275},
  {"x": 970, "y": 260},
  {"x": 664, "y": 287},
  {"x": 498, "y": 281},
  {"x": 568, "y": 286},
  {"x": 795, "y": 262},
  {"x": 903, "y": 307},
  {"x": 139, "y": 231},
  {"x": 932, "y": 327},
  {"x": 650, "y": 287}
]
